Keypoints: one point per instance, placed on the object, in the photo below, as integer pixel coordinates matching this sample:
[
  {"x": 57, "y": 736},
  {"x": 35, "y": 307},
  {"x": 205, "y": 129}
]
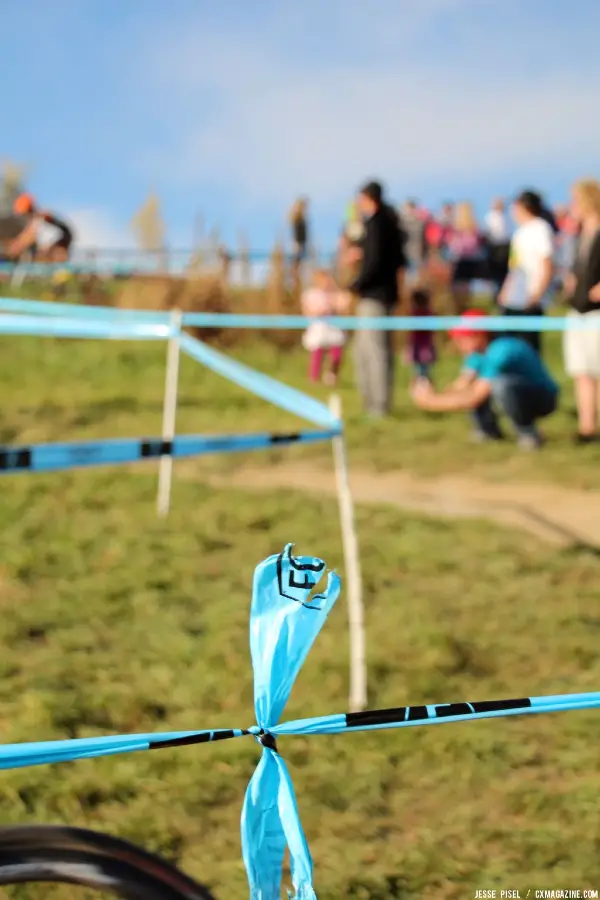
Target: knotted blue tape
[
  {"x": 285, "y": 619},
  {"x": 284, "y": 622}
]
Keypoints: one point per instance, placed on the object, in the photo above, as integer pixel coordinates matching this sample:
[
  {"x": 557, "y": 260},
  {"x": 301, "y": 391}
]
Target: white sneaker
[{"x": 529, "y": 442}]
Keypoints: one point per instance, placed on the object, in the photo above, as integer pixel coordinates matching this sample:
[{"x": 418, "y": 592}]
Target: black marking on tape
[
  {"x": 206, "y": 737},
  {"x": 439, "y": 711},
  {"x": 285, "y": 438},
  {"x": 377, "y": 717},
  {"x": 498, "y": 705},
  {"x": 308, "y": 582},
  {"x": 453, "y": 709},
  {"x": 19, "y": 458},
  {"x": 153, "y": 449}
]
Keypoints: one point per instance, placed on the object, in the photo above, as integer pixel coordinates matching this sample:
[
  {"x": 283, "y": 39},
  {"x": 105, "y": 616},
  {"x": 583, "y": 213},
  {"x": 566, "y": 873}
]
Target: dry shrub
[
  {"x": 207, "y": 295},
  {"x": 165, "y": 293},
  {"x": 93, "y": 291},
  {"x": 205, "y": 289},
  {"x": 149, "y": 227},
  {"x": 281, "y": 299},
  {"x": 146, "y": 292}
]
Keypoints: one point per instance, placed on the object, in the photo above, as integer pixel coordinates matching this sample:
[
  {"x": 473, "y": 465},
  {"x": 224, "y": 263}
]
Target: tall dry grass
[{"x": 208, "y": 288}]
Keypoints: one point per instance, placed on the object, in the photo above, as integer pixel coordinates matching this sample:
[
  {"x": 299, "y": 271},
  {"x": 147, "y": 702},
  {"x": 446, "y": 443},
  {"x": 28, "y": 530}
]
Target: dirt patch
[{"x": 561, "y": 516}]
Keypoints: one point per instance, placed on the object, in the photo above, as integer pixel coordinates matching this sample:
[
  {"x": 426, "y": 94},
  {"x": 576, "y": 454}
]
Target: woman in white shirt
[
  {"x": 529, "y": 286},
  {"x": 582, "y": 345}
]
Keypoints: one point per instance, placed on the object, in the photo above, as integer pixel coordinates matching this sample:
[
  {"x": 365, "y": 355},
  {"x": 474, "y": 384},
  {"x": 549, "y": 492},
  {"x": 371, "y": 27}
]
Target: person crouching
[{"x": 503, "y": 375}]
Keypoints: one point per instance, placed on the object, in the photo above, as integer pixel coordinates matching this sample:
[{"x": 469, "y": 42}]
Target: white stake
[
  {"x": 358, "y": 665},
  {"x": 165, "y": 472}
]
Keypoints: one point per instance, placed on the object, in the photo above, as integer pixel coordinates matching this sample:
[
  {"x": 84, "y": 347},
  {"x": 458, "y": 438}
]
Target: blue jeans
[{"x": 520, "y": 401}]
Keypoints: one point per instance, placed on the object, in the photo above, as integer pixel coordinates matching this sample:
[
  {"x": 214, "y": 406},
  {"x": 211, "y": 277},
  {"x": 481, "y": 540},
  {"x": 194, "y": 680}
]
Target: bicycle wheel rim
[{"x": 36, "y": 854}]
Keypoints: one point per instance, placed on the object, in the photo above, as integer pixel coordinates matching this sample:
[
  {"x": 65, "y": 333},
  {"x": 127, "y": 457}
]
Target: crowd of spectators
[{"x": 531, "y": 256}]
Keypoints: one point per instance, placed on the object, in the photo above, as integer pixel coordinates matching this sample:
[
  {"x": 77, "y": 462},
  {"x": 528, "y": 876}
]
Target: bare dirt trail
[{"x": 557, "y": 515}]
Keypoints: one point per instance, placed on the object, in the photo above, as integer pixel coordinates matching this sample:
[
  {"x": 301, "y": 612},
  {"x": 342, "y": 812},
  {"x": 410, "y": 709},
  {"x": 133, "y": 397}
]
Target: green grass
[
  {"x": 112, "y": 621},
  {"x": 61, "y": 390}
]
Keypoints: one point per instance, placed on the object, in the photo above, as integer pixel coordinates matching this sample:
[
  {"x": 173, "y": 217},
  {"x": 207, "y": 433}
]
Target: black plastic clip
[{"x": 267, "y": 740}]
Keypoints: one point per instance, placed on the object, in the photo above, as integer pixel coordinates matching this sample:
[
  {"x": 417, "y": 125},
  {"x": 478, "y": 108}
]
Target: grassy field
[
  {"x": 60, "y": 390},
  {"x": 114, "y": 621}
]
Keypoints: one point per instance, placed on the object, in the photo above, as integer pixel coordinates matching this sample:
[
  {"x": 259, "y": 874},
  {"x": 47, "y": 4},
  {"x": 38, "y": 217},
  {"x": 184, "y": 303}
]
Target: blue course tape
[
  {"x": 392, "y": 323},
  {"x": 261, "y": 385},
  {"x": 13, "y": 756},
  {"x": 432, "y": 714},
  {"x": 103, "y": 328},
  {"x": 53, "y": 457},
  {"x": 298, "y": 323},
  {"x": 77, "y": 311},
  {"x": 16, "y": 756},
  {"x": 285, "y": 620},
  {"x": 123, "y": 328}
]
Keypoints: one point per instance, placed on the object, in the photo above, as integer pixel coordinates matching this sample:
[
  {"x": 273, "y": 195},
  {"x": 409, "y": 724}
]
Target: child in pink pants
[{"x": 321, "y": 339}]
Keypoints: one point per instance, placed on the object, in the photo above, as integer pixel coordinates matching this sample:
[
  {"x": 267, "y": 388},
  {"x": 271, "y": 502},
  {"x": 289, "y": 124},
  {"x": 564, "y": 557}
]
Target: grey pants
[{"x": 374, "y": 360}]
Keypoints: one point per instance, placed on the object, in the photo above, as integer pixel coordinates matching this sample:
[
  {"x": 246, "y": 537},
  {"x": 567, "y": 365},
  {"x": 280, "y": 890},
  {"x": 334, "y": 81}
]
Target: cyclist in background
[{"x": 38, "y": 220}]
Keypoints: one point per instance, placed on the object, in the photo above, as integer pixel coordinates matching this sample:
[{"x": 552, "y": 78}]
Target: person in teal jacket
[{"x": 499, "y": 375}]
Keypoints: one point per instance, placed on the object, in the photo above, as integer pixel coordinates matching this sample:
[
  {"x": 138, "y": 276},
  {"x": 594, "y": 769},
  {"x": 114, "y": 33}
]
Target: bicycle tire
[{"x": 48, "y": 853}]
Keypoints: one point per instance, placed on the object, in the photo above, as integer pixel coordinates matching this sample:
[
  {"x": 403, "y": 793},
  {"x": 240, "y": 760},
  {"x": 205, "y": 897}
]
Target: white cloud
[
  {"x": 317, "y": 99},
  {"x": 96, "y": 228}
]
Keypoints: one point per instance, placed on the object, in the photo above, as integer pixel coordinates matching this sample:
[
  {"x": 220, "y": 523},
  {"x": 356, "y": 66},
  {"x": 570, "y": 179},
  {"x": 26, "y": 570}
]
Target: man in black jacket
[{"x": 377, "y": 286}]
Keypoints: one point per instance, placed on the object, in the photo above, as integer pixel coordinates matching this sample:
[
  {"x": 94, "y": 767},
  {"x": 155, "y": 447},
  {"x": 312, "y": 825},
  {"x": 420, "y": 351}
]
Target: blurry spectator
[
  {"x": 349, "y": 252},
  {"x": 37, "y": 221},
  {"x": 414, "y": 222},
  {"x": 568, "y": 231},
  {"x": 497, "y": 236},
  {"x": 466, "y": 253},
  {"x": 354, "y": 228},
  {"x": 506, "y": 372},
  {"x": 420, "y": 349},
  {"x": 582, "y": 347},
  {"x": 321, "y": 339},
  {"x": 439, "y": 230},
  {"x": 438, "y": 267},
  {"x": 434, "y": 235},
  {"x": 378, "y": 287},
  {"x": 497, "y": 228},
  {"x": 447, "y": 215},
  {"x": 565, "y": 220},
  {"x": 299, "y": 224},
  {"x": 528, "y": 288},
  {"x": 546, "y": 213}
]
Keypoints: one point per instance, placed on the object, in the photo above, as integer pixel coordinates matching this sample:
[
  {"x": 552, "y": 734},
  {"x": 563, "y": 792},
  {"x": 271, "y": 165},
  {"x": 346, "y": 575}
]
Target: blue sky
[{"x": 230, "y": 109}]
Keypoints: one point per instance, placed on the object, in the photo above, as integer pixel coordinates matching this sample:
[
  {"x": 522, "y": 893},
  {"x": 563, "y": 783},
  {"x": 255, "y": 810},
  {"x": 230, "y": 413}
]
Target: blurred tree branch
[
  {"x": 13, "y": 177},
  {"x": 148, "y": 226}
]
